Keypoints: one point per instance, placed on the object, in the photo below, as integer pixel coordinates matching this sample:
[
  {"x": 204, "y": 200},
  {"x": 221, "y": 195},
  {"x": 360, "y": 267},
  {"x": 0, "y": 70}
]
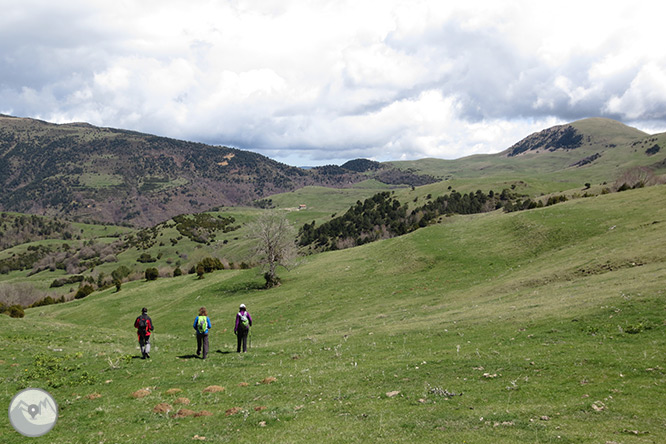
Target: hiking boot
[{"x": 147, "y": 356}]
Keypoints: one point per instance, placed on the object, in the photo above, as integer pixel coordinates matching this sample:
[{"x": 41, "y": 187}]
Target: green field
[{"x": 542, "y": 326}]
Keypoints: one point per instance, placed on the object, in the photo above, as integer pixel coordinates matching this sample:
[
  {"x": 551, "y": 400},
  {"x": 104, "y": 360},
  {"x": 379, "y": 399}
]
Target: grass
[{"x": 547, "y": 325}]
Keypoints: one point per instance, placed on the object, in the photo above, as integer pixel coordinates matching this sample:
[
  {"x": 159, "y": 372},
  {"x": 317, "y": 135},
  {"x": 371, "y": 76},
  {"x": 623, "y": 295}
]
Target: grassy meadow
[{"x": 541, "y": 326}]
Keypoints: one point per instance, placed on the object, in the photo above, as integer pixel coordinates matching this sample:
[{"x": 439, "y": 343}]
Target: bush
[
  {"x": 83, "y": 291},
  {"x": 16, "y": 311},
  {"x": 177, "y": 272},
  {"x": 48, "y": 300},
  {"x": 121, "y": 273},
  {"x": 210, "y": 264},
  {"x": 68, "y": 280},
  {"x": 152, "y": 274},
  {"x": 145, "y": 258}
]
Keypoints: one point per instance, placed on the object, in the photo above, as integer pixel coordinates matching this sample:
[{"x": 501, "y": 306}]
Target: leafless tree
[{"x": 275, "y": 244}]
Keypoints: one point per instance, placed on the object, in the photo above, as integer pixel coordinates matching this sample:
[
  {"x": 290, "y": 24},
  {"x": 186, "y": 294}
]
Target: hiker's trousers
[
  {"x": 202, "y": 345},
  {"x": 241, "y": 337}
]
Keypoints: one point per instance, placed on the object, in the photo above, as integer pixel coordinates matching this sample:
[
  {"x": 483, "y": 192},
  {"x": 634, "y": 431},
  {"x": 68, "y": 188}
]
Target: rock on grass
[
  {"x": 162, "y": 407},
  {"x": 233, "y": 411},
  {"x": 140, "y": 393},
  {"x": 183, "y": 413}
]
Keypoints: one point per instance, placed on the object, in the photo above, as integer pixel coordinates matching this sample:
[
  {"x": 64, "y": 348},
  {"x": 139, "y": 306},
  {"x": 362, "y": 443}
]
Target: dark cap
[{"x": 144, "y": 310}]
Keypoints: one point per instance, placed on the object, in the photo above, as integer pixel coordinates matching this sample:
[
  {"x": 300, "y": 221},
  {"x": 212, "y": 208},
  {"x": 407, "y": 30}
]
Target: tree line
[{"x": 382, "y": 216}]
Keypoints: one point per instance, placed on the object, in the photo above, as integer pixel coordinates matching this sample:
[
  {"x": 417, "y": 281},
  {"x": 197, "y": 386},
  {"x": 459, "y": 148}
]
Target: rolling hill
[
  {"x": 592, "y": 150},
  {"x": 537, "y": 326},
  {"x": 83, "y": 172}
]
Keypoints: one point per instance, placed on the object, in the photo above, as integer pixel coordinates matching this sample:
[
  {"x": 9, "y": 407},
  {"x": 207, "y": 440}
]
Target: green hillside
[
  {"x": 536, "y": 326},
  {"x": 605, "y": 151}
]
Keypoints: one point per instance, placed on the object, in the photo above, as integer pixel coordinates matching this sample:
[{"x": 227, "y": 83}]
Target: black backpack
[{"x": 143, "y": 325}]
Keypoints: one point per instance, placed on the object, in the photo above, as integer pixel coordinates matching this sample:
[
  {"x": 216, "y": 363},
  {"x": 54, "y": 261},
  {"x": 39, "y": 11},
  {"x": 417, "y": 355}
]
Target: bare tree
[{"x": 275, "y": 244}]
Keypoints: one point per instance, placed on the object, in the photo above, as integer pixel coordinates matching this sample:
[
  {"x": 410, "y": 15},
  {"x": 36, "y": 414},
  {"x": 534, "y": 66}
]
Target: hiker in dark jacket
[
  {"x": 201, "y": 326},
  {"x": 242, "y": 327},
  {"x": 144, "y": 327}
]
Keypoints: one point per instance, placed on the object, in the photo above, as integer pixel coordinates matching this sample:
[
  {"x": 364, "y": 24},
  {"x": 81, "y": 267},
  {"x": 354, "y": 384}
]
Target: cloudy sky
[{"x": 315, "y": 82}]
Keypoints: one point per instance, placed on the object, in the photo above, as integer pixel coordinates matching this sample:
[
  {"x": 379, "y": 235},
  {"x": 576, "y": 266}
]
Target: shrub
[
  {"x": 121, "y": 273},
  {"x": 16, "y": 311},
  {"x": 48, "y": 300},
  {"x": 152, "y": 274},
  {"x": 146, "y": 258},
  {"x": 83, "y": 291},
  {"x": 177, "y": 272}
]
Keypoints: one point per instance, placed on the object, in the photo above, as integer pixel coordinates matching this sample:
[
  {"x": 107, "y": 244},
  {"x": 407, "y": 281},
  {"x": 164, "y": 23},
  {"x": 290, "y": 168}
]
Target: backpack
[
  {"x": 202, "y": 324},
  {"x": 143, "y": 326},
  {"x": 243, "y": 322}
]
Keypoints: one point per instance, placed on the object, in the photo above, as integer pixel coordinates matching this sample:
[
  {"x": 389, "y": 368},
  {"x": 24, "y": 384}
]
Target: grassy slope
[
  {"x": 525, "y": 313},
  {"x": 622, "y": 147}
]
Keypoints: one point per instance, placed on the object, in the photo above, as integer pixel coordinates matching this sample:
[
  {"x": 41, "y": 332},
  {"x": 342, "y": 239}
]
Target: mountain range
[{"x": 81, "y": 172}]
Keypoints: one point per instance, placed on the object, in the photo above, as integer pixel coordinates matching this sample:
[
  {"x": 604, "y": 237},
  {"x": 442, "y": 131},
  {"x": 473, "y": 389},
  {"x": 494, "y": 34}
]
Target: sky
[{"x": 315, "y": 82}]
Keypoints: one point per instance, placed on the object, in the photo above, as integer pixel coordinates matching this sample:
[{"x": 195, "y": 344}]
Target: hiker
[
  {"x": 144, "y": 325},
  {"x": 242, "y": 327},
  {"x": 201, "y": 326}
]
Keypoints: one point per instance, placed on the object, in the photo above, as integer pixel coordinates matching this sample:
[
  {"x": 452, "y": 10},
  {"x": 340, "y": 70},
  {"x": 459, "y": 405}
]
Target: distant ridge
[
  {"x": 593, "y": 149},
  {"x": 82, "y": 172}
]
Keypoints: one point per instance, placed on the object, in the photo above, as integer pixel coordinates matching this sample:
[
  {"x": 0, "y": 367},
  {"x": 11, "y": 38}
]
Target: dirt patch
[
  {"x": 173, "y": 391},
  {"x": 183, "y": 413},
  {"x": 260, "y": 408},
  {"x": 140, "y": 394},
  {"x": 162, "y": 407},
  {"x": 268, "y": 380},
  {"x": 203, "y": 413},
  {"x": 213, "y": 389},
  {"x": 233, "y": 411},
  {"x": 243, "y": 384},
  {"x": 183, "y": 401},
  {"x": 93, "y": 396}
]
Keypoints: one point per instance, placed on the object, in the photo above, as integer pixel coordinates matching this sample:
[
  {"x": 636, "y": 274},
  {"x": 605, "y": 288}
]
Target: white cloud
[{"x": 330, "y": 80}]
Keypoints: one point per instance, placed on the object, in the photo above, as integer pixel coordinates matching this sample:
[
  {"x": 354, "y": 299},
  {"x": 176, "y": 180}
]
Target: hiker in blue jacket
[
  {"x": 242, "y": 327},
  {"x": 201, "y": 326}
]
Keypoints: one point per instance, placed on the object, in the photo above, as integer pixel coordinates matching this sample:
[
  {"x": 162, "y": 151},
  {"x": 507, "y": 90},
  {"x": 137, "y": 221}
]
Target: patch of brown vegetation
[
  {"x": 203, "y": 413},
  {"x": 93, "y": 396},
  {"x": 140, "y": 393},
  {"x": 183, "y": 413},
  {"x": 162, "y": 407},
  {"x": 183, "y": 401},
  {"x": 260, "y": 408},
  {"x": 233, "y": 411},
  {"x": 213, "y": 389},
  {"x": 268, "y": 380},
  {"x": 243, "y": 384},
  {"x": 173, "y": 391}
]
